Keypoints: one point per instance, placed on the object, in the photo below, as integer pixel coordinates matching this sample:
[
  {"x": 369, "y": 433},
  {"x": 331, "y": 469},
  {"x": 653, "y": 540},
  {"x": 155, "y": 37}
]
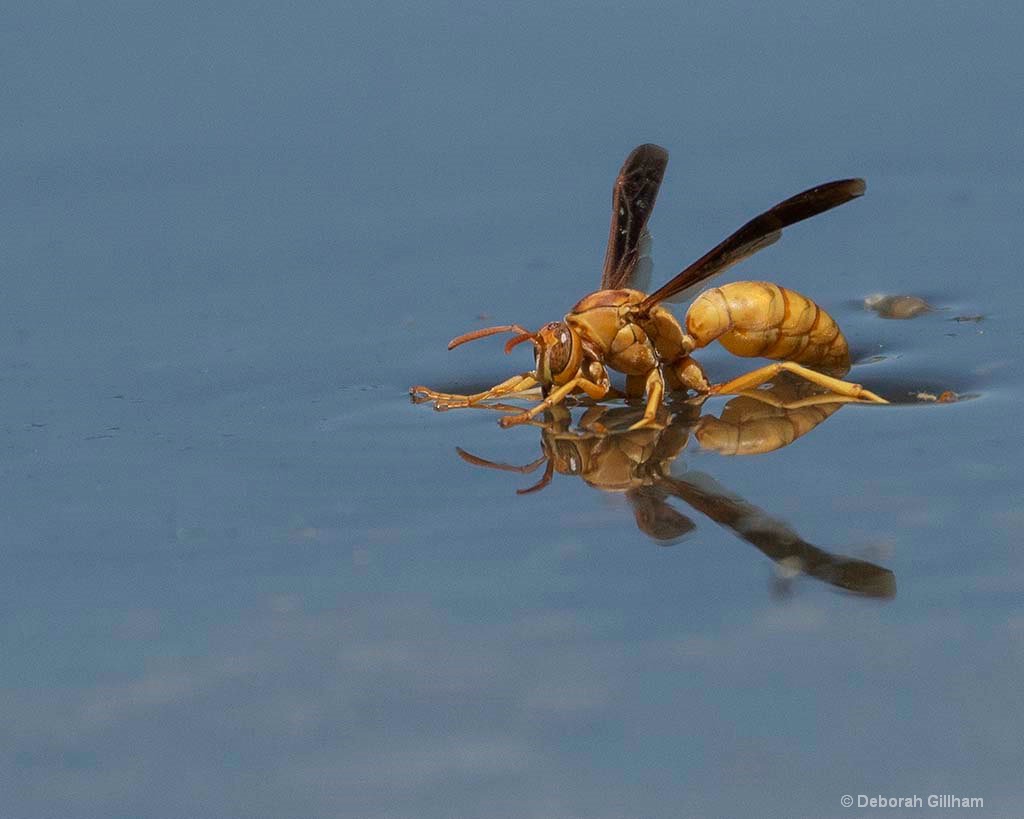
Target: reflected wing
[
  {"x": 777, "y": 540},
  {"x": 759, "y": 233},
  {"x": 655, "y": 518},
  {"x": 633, "y": 197}
]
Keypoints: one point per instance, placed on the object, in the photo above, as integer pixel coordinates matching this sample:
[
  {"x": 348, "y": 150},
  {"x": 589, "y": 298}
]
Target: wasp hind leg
[
  {"x": 762, "y": 375},
  {"x": 446, "y": 400}
]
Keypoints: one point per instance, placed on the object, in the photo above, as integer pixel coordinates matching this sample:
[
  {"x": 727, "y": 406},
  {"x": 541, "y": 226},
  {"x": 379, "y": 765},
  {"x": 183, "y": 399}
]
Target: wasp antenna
[
  {"x": 549, "y": 471},
  {"x": 476, "y": 460},
  {"x": 487, "y": 331},
  {"x": 519, "y": 339}
]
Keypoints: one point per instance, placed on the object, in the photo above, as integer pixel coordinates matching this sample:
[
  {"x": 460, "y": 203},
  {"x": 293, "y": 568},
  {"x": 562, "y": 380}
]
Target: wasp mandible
[{"x": 630, "y": 331}]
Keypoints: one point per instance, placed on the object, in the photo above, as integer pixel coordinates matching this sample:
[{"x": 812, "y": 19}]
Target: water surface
[{"x": 244, "y": 576}]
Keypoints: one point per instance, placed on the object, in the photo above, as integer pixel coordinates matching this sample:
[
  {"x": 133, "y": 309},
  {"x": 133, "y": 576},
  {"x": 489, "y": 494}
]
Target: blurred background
[{"x": 244, "y": 576}]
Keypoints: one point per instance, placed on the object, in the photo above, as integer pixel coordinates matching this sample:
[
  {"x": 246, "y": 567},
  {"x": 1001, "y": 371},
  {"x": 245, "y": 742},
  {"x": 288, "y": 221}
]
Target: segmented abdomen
[{"x": 766, "y": 320}]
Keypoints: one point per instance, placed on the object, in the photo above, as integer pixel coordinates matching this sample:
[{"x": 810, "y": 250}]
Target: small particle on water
[
  {"x": 944, "y": 397},
  {"x": 897, "y": 307}
]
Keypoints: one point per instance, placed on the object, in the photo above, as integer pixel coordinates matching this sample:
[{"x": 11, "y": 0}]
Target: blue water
[{"x": 244, "y": 576}]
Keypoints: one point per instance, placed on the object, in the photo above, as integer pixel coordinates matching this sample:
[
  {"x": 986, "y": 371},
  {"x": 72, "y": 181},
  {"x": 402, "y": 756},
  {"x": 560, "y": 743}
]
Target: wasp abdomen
[{"x": 763, "y": 319}]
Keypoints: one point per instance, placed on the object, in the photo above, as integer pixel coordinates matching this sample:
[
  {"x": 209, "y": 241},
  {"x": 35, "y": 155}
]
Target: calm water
[{"x": 244, "y": 576}]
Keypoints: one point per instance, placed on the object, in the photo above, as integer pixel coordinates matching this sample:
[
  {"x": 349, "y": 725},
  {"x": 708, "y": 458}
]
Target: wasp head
[
  {"x": 557, "y": 349},
  {"x": 557, "y": 352}
]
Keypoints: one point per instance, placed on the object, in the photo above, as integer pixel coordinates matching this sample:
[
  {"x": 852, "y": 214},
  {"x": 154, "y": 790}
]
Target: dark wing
[
  {"x": 758, "y": 233},
  {"x": 633, "y": 196}
]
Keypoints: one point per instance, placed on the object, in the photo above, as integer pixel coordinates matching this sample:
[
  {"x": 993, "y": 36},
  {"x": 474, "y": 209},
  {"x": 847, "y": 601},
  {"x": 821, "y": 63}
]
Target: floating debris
[
  {"x": 974, "y": 319},
  {"x": 944, "y": 397},
  {"x": 897, "y": 307}
]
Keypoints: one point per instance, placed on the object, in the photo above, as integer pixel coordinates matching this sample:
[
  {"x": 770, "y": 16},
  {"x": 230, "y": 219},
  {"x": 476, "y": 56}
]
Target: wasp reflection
[{"x": 602, "y": 450}]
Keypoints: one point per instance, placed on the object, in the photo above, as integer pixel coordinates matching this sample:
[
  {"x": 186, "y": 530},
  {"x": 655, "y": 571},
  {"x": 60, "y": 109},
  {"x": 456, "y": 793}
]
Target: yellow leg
[
  {"x": 655, "y": 390},
  {"x": 557, "y": 395},
  {"x": 762, "y": 375},
  {"x": 686, "y": 374},
  {"x": 445, "y": 400}
]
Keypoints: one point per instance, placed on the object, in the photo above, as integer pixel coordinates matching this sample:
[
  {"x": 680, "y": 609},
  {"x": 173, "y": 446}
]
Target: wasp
[{"x": 625, "y": 329}]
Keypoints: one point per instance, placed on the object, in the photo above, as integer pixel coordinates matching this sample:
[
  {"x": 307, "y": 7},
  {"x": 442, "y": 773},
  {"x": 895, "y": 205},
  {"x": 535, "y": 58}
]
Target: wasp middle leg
[{"x": 653, "y": 384}]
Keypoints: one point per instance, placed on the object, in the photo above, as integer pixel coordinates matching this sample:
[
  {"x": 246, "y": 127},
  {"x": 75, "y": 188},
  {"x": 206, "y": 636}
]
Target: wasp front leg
[
  {"x": 591, "y": 378},
  {"x": 446, "y": 400}
]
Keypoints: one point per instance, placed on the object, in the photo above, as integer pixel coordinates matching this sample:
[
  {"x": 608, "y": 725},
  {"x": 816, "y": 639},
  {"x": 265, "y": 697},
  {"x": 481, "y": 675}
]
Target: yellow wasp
[{"x": 629, "y": 331}]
